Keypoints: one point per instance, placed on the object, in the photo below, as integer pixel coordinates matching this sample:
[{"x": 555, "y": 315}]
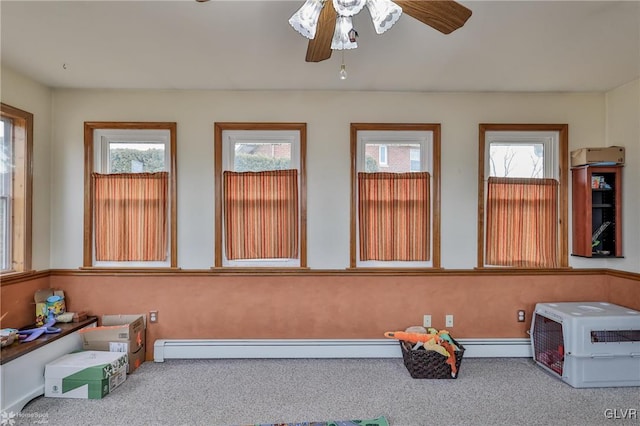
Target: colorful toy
[
  {"x": 451, "y": 359},
  {"x": 437, "y": 348},
  {"x": 418, "y": 338},
  {"x": 444, "y": 335},
  {"x": 8, "y": 335},
  {"x": 33, "y": 333}
]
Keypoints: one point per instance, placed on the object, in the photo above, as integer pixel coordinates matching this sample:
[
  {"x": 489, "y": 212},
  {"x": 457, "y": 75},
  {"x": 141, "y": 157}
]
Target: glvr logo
[{"x": 621, "y": 413}]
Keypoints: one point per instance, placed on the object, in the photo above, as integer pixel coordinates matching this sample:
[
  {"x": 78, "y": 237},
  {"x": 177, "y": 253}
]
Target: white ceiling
[{"x": 249, "y": 45}]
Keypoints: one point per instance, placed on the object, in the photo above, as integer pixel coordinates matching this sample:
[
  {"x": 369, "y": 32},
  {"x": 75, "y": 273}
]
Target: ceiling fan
[{"x": 328, "y": 25}]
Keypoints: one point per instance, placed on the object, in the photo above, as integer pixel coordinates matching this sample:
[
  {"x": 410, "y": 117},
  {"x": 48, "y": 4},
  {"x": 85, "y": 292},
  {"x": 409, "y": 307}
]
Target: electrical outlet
[
  {"x": 426, "y": 321},
  {"x": 153, "y": 316},
  {"x": 521, "y": 315},
  {"x": 448, "y": 320}
]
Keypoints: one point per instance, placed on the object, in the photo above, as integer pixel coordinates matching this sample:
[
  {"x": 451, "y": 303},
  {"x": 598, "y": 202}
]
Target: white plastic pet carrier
[{"x": 588, "y": 344}]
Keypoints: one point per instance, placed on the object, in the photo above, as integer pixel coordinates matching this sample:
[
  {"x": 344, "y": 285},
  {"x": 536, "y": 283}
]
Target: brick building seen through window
[{"x": 400, "y": 158}]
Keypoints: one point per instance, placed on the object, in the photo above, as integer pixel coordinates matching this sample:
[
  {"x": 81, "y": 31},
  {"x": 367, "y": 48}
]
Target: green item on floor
[{"x": 380, "y": 421}]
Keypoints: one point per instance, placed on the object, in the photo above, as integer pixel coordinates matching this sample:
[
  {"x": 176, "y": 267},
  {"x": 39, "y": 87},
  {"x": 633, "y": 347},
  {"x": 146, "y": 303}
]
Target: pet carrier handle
[{"x": 602, "y": 356}]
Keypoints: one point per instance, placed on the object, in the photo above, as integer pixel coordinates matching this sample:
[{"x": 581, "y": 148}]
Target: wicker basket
[{"x": 423, "y": 364}]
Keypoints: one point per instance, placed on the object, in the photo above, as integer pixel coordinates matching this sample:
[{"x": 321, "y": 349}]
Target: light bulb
[{"x": 343, "y": 72}]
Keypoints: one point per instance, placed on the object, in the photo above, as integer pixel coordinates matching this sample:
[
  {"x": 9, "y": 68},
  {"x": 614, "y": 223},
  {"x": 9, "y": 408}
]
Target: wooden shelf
[
  {"x": 597, "y": 209},
  {"x": 17, "y": 349}
]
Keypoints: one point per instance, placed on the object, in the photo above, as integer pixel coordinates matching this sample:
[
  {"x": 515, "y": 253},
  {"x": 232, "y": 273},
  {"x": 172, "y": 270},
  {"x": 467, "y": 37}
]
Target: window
[
  {"x": 395, "y": 210},
  {"x": 130, "y": 202},
  {"x": 16, "y": 133},
  {"x": 523, "y": 187},
  {"x": 260, "y": 195}
]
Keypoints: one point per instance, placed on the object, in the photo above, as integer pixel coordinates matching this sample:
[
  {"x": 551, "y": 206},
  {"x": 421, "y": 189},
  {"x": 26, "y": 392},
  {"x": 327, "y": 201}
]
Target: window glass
[
  {"x": 136, "y": 157},
  {"x": 524, "y": 160},
  {"x": 16, "y": 128},
  {"x": 255, "y": 157},
  {"x": 6, "y": 171}
]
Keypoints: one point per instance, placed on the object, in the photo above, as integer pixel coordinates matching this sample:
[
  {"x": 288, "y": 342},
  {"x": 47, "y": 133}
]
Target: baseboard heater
[{"x": 322, "y": 348}]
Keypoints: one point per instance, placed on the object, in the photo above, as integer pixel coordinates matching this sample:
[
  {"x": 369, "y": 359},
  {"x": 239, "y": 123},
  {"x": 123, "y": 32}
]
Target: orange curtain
[
  {"x": 522, "y": 222},
  {"x": 261, "y": 214},
  {"x": 393, "y": 216},
  {"x": 131, "y": 216}
]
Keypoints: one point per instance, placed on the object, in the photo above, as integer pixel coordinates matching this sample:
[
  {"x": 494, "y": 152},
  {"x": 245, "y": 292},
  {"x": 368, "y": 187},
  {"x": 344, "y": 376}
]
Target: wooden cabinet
[{"x": 597, "y": 211}]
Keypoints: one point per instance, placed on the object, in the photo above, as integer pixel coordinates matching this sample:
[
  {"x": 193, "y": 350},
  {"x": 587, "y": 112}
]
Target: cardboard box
[
  {"x": 584, "y": 156},
  {"x": 88, "y": 374},
  {"x": 118, "y": 333},
  {"x": 43, "y": 307}
]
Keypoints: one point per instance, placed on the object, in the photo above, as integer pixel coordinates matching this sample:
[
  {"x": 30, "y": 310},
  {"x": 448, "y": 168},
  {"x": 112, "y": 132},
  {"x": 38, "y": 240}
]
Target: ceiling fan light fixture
[
  {"x": 305, "y": 20},
  {"x": 344, "y": 36},
  {"x": 348, "y": 7},
  {"x": 384, "y": 13}
]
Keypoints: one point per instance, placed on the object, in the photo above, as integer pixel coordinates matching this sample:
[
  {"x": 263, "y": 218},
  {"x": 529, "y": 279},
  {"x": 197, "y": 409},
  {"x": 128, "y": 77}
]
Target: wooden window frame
[
  {"x": 219, "y": 128},
  {"x": 89, "y": 143},
  {"x": 563, "y": 172},
  {"x": 435, "y": 188},
  {"x": 22, "y": 203}
]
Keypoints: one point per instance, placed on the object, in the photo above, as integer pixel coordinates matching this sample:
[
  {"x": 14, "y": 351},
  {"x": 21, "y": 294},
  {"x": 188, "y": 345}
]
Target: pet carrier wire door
[{"x": 587, "y": 344}]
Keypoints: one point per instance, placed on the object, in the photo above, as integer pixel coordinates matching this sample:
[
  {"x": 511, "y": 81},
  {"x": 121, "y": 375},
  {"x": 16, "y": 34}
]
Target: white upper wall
[
  {"x": 623, "y": 128},
  {"x": 25, "y": 94},
  {"x": 594, "y": 119},
  {"x": 328, "y": 115}
]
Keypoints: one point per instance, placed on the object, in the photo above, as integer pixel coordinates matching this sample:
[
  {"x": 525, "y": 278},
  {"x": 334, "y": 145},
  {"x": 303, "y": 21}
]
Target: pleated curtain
[
  {"x": 522, "y": 222},
  {"x": 261, "y": 214},
  {"x": 131, "y": 213},
  {"x": 394, "y": 216}
]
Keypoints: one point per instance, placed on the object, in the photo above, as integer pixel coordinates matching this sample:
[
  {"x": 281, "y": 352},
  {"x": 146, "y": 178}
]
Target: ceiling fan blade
[
  {"x": 319, "y": 47},
  {"x": 445, "y": 16}
]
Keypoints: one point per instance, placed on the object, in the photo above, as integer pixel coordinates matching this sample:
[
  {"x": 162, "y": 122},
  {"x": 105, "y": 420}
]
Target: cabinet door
[{"x": 581, "y": 211}]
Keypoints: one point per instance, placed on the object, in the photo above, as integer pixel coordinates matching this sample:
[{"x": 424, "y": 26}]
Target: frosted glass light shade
[
  {"x": 341, "y": 39},
  {"x": 305, "y": 20},
  {"x": 384, "y": 13},
  {"x": 348, "y": 7}
]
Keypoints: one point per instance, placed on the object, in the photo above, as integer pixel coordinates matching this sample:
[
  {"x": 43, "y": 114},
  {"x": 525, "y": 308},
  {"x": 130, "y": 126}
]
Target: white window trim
[
  {"x": 395, "y": 137},
  {"x": 229, "y": 139},
  {"x": 102, "y": 139}
]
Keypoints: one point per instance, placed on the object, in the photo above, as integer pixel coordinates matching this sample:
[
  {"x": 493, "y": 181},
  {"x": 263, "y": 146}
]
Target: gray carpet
[{"x": 506, "y": 391}]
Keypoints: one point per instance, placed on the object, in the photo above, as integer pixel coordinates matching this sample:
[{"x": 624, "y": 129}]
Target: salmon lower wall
[
  {"x": 17, "y": 304},
  {"x": 624, "y": 291},
  {"x": 321, "y": 306}
]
